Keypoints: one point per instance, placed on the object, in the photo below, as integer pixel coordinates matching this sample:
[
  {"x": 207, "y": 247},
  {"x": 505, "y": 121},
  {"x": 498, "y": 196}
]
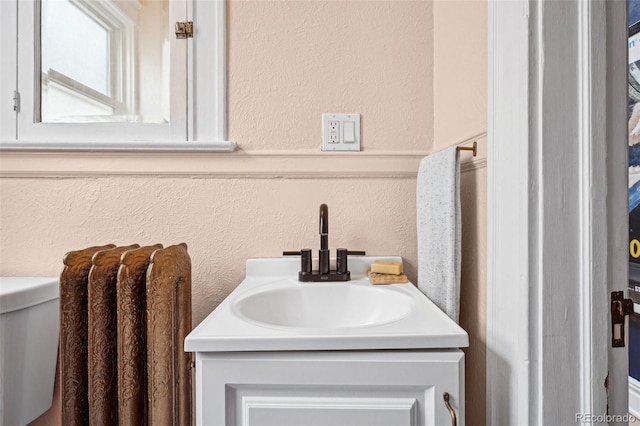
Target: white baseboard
[{"x": 634, "y": 397}]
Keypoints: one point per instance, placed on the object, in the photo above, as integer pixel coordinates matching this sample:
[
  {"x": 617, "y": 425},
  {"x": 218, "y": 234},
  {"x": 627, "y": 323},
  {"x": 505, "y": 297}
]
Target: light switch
[{"x": 349, "y": 131}]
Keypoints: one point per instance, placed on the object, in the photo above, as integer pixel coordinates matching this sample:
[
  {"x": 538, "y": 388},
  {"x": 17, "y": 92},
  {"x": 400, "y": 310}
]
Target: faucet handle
[
  {"x": 305, "y": 259},
  {"x": 341, "y": 260},
  {"x": 306, "y": 264}
]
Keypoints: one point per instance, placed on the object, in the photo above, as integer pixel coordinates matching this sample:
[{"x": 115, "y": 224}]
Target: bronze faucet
[{"x": 324, "y": 272}]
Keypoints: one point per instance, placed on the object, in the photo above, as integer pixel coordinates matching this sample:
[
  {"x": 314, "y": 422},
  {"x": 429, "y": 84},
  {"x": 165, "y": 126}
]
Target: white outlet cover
[{"x": 332, "y": 138}]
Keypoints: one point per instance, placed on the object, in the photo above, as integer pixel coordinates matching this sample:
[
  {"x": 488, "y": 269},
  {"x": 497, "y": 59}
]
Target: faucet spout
[
  {"x": 324, "y": 227},
  {"x": 324, "y": 272},
  {"x": 323, "y": 258}
]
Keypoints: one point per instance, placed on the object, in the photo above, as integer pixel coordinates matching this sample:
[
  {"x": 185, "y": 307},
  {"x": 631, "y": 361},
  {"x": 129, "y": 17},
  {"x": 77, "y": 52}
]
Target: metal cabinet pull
[{"x": 454, "y": 420}]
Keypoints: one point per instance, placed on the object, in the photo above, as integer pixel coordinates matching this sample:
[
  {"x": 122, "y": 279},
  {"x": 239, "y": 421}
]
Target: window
[
  {"x": 102, "y": 74},
  {"x": 80, "y": 78}
]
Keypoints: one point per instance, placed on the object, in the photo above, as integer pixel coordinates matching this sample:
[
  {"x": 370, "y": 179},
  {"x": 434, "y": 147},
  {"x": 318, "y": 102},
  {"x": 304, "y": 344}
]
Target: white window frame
[{"x": 206, "y": 91}]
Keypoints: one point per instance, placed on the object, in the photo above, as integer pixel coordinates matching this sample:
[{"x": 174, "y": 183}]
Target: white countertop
[{"x": 418, "y": 323}]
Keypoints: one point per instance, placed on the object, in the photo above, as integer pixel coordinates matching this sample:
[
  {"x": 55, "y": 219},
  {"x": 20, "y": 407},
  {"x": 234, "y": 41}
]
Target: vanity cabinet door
[{"x": 367, "y": 388}]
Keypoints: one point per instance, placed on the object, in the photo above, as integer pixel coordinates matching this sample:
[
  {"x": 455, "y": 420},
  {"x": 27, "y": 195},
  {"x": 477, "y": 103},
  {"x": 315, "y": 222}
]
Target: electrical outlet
[
  {"x": 341, "y": 132},
  {"x": 334, "y": 132}
]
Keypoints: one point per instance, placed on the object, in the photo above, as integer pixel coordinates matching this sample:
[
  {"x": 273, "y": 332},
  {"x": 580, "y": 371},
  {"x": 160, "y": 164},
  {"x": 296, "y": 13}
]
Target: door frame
[{"x": 557, "y": 227}]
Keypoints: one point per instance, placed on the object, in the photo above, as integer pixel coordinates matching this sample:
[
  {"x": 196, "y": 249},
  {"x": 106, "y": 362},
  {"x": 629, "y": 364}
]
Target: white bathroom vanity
[{"x": 281, "y": 352}]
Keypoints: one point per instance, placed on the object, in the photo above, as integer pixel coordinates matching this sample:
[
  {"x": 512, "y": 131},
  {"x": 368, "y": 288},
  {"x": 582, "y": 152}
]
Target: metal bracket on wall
[
  {"x": 184, "y": 29},
  {"x": 620, "y": 308}
]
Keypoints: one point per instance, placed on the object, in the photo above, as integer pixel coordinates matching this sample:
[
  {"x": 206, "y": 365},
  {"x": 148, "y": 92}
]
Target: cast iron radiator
[{"x": 124, "y": 315}]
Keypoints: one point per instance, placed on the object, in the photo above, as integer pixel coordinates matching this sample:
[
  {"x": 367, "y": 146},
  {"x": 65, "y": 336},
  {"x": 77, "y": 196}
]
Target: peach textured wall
[
  {"x": 460, "y": 111},
  {"x": 397, "y": 63},
  {"x": 290, "y": 61},
  {"x": 461, "y": 70},
  {"x": 224, "y": 221}
]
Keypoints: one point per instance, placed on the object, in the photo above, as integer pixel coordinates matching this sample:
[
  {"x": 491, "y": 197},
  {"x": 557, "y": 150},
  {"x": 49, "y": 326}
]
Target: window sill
[{"x": 136, "y": 146}]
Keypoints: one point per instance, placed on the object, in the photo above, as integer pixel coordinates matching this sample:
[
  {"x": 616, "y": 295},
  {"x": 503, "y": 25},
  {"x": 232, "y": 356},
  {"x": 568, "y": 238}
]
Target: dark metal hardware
[
  {"x": 324, "y": 254},
  {"x": 306, "y": 264},
  {"x": 620, "y": 308},
  {"x": 324, "y": 272},
  {"x": 341, "y": 260},
  {"x": 305, "y": 259}
]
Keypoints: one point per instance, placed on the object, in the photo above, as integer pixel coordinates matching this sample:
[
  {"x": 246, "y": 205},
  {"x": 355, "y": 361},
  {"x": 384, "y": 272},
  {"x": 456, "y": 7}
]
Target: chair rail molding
[{"x": 293, "y": 164}]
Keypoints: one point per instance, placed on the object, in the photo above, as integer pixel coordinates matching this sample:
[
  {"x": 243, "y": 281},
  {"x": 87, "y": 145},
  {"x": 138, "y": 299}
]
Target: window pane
[
  {"x": 75, "y": 45},
  {"x": 113, "y": 57},
  {"x": 73, "y": 105}
]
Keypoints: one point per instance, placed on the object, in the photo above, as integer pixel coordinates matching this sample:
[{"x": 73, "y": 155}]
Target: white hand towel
[{"x": 439, "y": 229}]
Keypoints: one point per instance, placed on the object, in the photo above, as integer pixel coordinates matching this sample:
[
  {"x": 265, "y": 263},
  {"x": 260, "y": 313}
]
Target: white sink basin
[
  {"x": 321, "y": 305},
  {"x": 272, "y": 311}
]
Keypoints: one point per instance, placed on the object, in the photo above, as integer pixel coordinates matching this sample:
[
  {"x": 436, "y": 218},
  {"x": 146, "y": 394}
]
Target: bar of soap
[
  {"x": 387, "y": 278},
  {"x": 386, "y": 267}
]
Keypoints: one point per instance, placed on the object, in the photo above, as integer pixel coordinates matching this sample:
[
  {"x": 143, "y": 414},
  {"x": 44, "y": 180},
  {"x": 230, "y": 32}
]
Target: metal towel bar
[{"x": 473, "y": 148}]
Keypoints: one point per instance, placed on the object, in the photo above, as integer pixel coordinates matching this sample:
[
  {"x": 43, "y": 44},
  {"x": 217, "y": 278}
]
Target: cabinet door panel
[
  {"x": 292, "y": 411},
  {"x": 329, "y": 388}
]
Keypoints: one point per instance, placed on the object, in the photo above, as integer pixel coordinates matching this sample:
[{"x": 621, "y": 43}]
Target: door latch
[
  {"x": 184, "y": 29},
  {"x": 620, "y": 308},
  {"x": 16, "y": 101}
]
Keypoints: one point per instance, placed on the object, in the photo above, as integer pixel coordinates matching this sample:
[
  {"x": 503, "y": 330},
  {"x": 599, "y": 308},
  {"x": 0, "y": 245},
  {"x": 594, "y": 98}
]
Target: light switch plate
[{"x": 333, "y": 132}]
